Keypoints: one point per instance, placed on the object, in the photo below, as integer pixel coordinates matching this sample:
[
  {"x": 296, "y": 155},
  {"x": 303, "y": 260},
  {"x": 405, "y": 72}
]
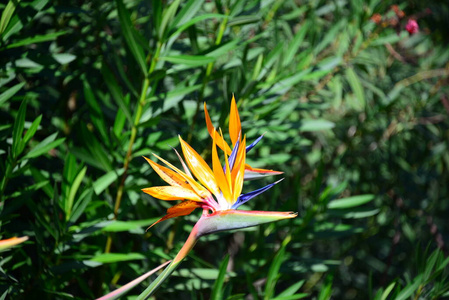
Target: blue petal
[
  {"x": 243, "y": 198},
  {"x": 251, "y": 146},
  {"x": 232, "y": 157}
]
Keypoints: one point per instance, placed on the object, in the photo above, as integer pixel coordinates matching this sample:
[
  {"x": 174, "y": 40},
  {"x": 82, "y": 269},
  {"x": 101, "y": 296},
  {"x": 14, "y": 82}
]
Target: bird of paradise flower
[{"x": 218, "y": 193}]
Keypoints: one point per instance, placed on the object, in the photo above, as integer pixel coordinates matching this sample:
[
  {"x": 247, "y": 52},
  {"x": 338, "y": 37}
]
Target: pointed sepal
[{"x": 243, "y": 198}]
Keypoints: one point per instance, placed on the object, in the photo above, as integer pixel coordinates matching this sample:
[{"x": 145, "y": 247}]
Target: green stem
[{"x": 132, "y": 139}]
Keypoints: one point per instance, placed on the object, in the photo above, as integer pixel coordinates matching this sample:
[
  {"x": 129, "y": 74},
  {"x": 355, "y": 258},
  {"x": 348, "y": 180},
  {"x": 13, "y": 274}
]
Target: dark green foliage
[{"x": 355, "y": 114}]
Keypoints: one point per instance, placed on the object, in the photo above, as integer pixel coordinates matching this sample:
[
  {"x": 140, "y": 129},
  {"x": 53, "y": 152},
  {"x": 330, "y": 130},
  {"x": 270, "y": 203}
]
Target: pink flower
[{"x": 412, "y": 26}]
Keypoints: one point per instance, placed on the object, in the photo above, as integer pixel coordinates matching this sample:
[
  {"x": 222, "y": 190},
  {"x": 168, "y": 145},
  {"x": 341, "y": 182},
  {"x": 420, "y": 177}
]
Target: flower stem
[{"x": 188, "y": 245}]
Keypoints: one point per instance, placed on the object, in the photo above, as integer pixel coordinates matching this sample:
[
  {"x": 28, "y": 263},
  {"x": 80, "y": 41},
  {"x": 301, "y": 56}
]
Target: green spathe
[
  {"x": 210, "y": 223},
  {"x": 237, "y": 219}
]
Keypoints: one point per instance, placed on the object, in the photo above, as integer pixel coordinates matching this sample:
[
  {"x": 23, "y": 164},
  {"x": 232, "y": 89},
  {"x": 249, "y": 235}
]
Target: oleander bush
[{"x": 353, "y": 104}]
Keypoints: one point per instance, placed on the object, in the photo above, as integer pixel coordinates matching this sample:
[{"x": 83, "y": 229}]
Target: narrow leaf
[
  {"x": 350, "y": 201},
  {"x": 45, "y": 146},
  {"x": 117, "y": 257},
  {"x": 128, "y": 28},
  {"x": 116, "y": 93},
  {"x": 73, "y": 189},
  {"x": 218, "y": 284},
  {"x": 17, "y": 131},
  {"x": 32, "y": 130},
  {"x": 36, "y": 39},
  {"x": 356, "y": 87},
  {"x": 187, "y": 12},
  {"x": 7, "y": 14},
  {"x": 273, "y": 273},
  {"x": 189, "y": 60},
  {"x": 10, "y": 92}
]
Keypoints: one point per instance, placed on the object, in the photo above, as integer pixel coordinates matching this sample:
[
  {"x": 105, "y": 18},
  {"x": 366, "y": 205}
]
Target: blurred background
[{"x": 352, "y": 96}]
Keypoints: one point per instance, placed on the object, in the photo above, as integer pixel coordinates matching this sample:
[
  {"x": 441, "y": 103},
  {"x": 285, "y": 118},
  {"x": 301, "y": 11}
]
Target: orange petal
[
  {"x": 181, "y": 209},
  {"x": 234, "y": 122},
  {"x": 8, "y": 243},
  {"x": 204, "y": 193},
  {"x": 238, "y": 173},
  {"x": 210, "y": 128},
  {"x": 218, "y": 171},
  {"x": 199, "y": 167},
  {"x": 169, "y": 176},
  {"x": 172, "y": 193}
]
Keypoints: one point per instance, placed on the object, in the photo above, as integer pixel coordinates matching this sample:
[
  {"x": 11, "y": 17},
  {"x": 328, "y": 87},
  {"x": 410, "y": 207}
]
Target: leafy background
[{"x": 355, "y": 113}]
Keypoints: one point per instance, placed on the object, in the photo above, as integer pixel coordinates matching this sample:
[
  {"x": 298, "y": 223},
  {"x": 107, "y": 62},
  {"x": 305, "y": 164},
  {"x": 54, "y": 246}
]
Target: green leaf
[
  {"x": 390, "y": 39},
  {"x": 354, "y": 213},
  {"x": 244, "y": 20},
  {"x": 80, "y": 205},
  {"x": 316, "y": 125},
  {"x": 292, "y": 289},
  {"x": 350, "y": 202},
  {"x": 273, "y": 273},
  {"x": 10, "y": 92},
  {"x": 285, "y": 84},
  {"x": 73, "y": 189},
  {"x": 295, "y": 43},
  {"x": 388, "y": 291},
  {"x": 32, "y": 130},
  {"x": 39, "y": 177},
  {"x": 326, "y": 289},
  {"x": 106, "y": 180},
  {"x": 95, "y": 149},
  {"x": 201, "y": 273},
  {"x": 39, "y": 39},
  {"x": 117, "y": 257},
  {"x": 17, "y": 131},
  {"x": 194, "y": 21},
  {"x": 127, "y": 29},
  {"x": 167, "y": 17},
  {"x": 44, "y": 146},
  {"x": 189, "y": 60},
  {"x": 169, "y": 100},
  {"x": 187, "y": 12},
  {"x": 64, "y": 58},
  {"x": 119, "y": 226},
  {"x": 356, "y": 87},
  {"x": 408, "y": 291},
  {"x": 224, "y": 49},
  {"x": 293, "y": 297},
  {"x": 430, "y": 264},
  {"x": 120, "y": 120},
  {"x": 97, "y": 116},
  {"x": 218, "y": 284},
  {"x": 330, "y": 36},
  {"x": 7, "y": 14},
  {"x": 116, "y": 92},
  {"x": 33, "y": 187}
]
